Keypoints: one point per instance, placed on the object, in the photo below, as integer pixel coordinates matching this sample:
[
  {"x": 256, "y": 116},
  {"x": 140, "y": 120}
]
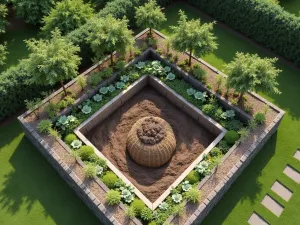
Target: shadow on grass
[
  {"x": 246, "y": 187},
  {"x": 34, "y": 180}
]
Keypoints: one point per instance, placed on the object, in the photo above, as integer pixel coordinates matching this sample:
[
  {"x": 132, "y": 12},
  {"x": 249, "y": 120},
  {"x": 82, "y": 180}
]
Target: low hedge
[{"x": 262, "y": 20}]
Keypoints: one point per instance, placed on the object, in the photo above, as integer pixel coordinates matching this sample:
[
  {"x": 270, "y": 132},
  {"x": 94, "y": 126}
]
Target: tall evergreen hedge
[{"x": 261, "y": 20}]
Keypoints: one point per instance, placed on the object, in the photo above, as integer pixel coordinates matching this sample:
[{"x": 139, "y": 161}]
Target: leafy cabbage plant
[
  {"x": 103, "y": 90},
  {"x": 228, "y": 114},
  {"x": 97, "y": 98},
  {"x": 191, "y": 91},
  {"x": 171, "y": 76},
  {"x": 200, "y": 96},
  {"x": 76, "y": 144},
  {"x": 186, "y": 186},
  {"x": 86, "y": 109},
  {"x": 120, "y": 85},
  {"x": 177, "y": 198},
  {"x": 124, "y": 78}
]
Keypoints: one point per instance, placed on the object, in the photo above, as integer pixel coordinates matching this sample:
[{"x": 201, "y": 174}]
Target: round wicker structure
[{"x": 151, "y": 142}]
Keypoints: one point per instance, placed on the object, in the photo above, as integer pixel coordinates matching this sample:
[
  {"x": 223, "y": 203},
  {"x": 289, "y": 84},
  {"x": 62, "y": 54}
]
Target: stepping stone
[
  {"x": 297, "y": 155},
  {"x": 292, "y": 173},
  {"x": 282, "y": 191},
  {"x": 272, "y": 205},
  {"x": 256, "y": 219}
]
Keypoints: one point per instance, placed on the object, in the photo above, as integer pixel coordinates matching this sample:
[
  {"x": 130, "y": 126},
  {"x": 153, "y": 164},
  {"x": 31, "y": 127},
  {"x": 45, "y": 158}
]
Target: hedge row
[
  {"x": 263, "y": 21},
  {"x": 14, "y": 88}
]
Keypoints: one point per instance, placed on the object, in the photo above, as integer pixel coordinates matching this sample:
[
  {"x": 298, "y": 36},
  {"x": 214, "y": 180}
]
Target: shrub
[
  {"x": 52, "y": 109},
  {"x": 113, "y": 197},
  {"x": 152, "y": 223},
  {"x": 70, "y": 138},
  {"x": 209, "y": 109},
  {"x": 138, "y": 205},
  {"x": 130, "y": 212},
  {"x": 223, "y": 146},
  {"x": 44, "y": 126},
  {"x": 193, "y": 177},
  {"x": 231, "y": 137},
  {"x": 146, "y": 214},
  {"x": 193, "y": 195},
  {"x": 215, "y": 152},
  {"x": 233, "y": 124},
  {"x": 199, "y": 73},
  {"x": 259, "y": 118},
  {"x": 95, "y": 78},
  {"x": 90, "y": 171},
  {"x": 109, "y": 179},
  {"x": 85, "y": 152},
  {"x": 179, "y": 210}
]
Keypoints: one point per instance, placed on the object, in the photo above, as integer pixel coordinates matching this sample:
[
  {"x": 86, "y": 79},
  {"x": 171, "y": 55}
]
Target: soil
[{"x": 110, "y": 138}]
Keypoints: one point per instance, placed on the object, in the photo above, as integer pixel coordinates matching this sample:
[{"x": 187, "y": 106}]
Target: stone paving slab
[
  {"x": 256, "y": 219},
  {"x": 297, "y": 155},
  {"x": 272, "y": 205},
  {"x": 282, "y": 191},
  {"x": 292, "y": 173}
]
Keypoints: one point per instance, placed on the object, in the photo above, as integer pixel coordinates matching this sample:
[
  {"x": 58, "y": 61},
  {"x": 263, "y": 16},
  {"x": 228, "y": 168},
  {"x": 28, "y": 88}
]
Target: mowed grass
[
  {"x": 16, "y": 47},
  {"x": 31, "y": 192},
  {"x": 292, "y": 6},
  {"x": 245, "y": 196}
]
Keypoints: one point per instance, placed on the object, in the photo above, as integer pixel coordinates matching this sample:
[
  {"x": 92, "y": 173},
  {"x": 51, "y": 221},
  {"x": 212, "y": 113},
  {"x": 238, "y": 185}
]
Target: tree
[
  {"x": 108, "y": 35},
  {"x": 3, "y": 14},
  {"x": 67, "y": 16},
  {"x": 149, "y": 15},
  {"x": 52, "y": 61},
  {"x": 3, "y": 54},
  {"x": 191, "y": 36},
  {"x": 32, "y": 10},
  {"x": 252, "y": 73}
]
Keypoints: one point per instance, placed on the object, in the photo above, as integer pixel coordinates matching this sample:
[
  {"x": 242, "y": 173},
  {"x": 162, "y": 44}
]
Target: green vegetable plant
[
  {"x": 44, "y": 126},
  {"x": 113, "y": 197}
]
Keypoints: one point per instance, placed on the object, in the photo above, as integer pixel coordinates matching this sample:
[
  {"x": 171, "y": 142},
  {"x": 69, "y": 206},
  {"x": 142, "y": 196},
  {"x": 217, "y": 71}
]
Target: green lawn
[
  {"x": 16, "y": 46},
  {"x": 32, "y": 193},
  {"x": 246, "y": 194},
  {"x": 292, "y": 6}
]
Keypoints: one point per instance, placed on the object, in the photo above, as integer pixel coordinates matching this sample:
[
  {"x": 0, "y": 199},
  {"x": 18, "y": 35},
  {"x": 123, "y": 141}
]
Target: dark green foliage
[
  {"x": 193, "y": 177},
  {"x": 109, "y": 179},
  {"x": 259, "y": 118},
  {"x": 223, "y": 146},
  {"x": 199, "y": 73},
  {"x": 215, "y": 152},
  {"x": 261, "y": 20},
  {"x": 85, "y": 152},
  {"x": 44, "y": 126},
  {"x": 32, "y": 10},
  {"x": 70, "y": 138},
  {"x": 14, "y": 89},
  {"x": 231, "y": 137},
  {"x": 138, "y": 205},
  {"x": 146, "y": 214},
  {"x": 233, "y": 124}
]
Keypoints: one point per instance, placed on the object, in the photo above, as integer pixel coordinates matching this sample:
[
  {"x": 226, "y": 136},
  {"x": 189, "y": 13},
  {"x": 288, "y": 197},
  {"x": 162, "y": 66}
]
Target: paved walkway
[{"x": 281, "y": 190}]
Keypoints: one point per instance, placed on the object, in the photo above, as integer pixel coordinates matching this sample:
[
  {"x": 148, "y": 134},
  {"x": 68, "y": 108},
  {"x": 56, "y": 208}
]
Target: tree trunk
[
  {"x": 63, "y": 86},
  {"x": 190, "y": 58},
  {"x": 112, "y": 59},
  {"x": 241, "y": 97},
  {"x": 150, "y": 32}
]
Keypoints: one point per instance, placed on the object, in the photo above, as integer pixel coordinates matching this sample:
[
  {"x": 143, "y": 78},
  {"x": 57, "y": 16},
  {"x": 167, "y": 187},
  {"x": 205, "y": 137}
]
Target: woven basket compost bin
[{"x": 151, "y": 142}]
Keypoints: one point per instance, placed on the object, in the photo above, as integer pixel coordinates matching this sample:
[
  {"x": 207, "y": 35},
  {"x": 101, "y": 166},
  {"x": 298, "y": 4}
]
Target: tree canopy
[
  {"x": 33, "y": 10},
  {"x": 67, "y": 16},
  {"x": 193, "y": 37},
  {"x": 149, "y": 15},
  {"x": 52, "y": 61},
  {"x": 109, "y": 34},
  {"x": 3, "y": 14},
  {"x": 251, "y": 73},
  {"x": 3, "y": 54}
]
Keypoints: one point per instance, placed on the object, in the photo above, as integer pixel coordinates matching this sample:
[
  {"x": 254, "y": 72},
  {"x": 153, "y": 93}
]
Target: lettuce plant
[
  {"x": 76, "y": 144},
  {"x": 167, "y": 69},
  {"x": 124, "y": 78},
  {"x": 86, "y": 109},
  {"x": 203, "y": 168},
  {"x": 228, "y": 114},
  {"x": 140, "y": 65},
  {"x": 164, "y": 206},
  {"x": 171, "y": 76},
  {"x": 191, "y": 91},
  {"x": 97, "y": 98},
  {"x": 103, "y": 90},
  {"x": 127, "y": 195},
  {"x": 111, "y": 88},
  {"x": 186, "y": 186},
  {"x": 200, "y": 96},
  {"x": 177, "y": 198},
  {"x": 120, "y": 85}
]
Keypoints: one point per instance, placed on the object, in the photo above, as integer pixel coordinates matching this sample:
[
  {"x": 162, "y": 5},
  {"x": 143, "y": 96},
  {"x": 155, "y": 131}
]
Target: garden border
[{"x": 100, "y": 210}]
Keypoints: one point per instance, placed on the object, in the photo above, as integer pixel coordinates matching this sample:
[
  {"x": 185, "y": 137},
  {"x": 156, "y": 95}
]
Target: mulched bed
[{"x": 110, "y": 138}]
